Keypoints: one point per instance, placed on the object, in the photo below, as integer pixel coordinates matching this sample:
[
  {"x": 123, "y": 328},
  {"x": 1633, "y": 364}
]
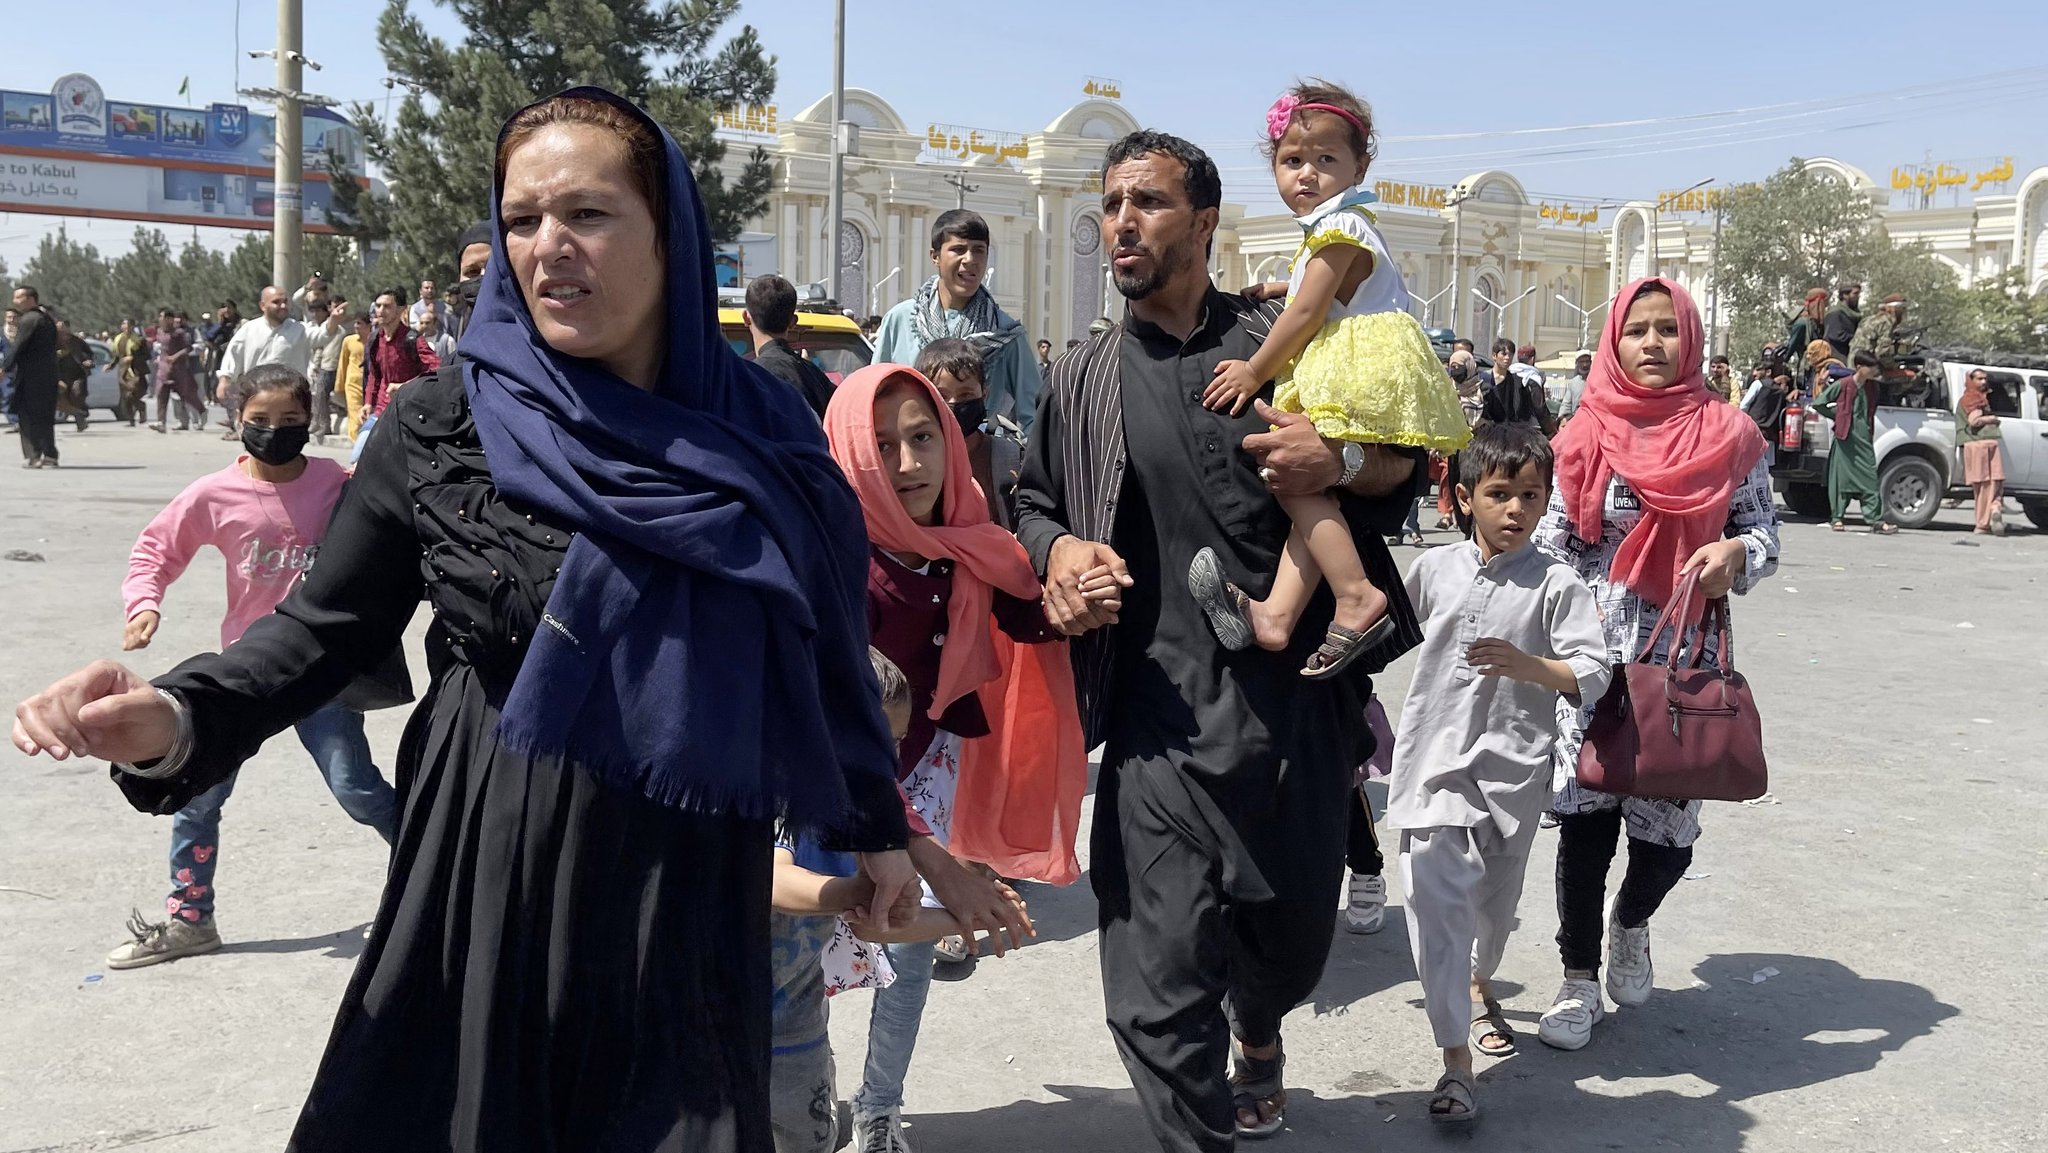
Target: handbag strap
[
  {"x": 1715, "y": 623},
  {"x": 1674, "y": 616}
]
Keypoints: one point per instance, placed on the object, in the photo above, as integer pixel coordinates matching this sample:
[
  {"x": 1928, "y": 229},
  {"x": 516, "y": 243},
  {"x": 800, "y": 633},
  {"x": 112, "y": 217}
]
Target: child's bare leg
[
  {"x": 1274, "y": 618},
  {"x": 1320, "y": 522}
]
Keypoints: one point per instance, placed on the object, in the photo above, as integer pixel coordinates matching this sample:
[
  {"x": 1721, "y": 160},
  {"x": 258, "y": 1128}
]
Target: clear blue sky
[{"x": 1877, "y": 95}]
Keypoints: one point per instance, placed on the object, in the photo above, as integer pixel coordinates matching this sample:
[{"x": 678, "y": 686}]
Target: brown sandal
[
  {"x": 1258, "y": 1081},
  {"x": 1341, "y": 646}
]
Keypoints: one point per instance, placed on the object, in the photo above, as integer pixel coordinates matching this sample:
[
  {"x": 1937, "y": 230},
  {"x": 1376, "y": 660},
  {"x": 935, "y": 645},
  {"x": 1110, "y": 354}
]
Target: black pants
[
  {"x": 1179, "y": 953},
  {"x": 36, "y": 405},
  {"x": 1585, "y": 848},
  {"x": 1361, "y": 841}
]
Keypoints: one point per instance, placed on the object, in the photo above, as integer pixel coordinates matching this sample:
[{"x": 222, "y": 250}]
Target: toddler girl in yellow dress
[{"x": 1347, "y": 354}]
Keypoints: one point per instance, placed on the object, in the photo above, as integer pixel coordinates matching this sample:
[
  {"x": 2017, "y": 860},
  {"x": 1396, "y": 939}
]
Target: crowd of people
[
  {"x": 748, "y": 688},
  {"x": 179, "y": 368}
]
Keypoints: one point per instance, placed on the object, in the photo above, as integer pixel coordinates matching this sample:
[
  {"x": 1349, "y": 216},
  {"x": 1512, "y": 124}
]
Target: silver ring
[{"x": 1268, "y": 475}]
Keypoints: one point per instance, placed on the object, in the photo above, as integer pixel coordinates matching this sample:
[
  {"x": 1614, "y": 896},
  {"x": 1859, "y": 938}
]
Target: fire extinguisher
[{"x": 1792, "y": 437}]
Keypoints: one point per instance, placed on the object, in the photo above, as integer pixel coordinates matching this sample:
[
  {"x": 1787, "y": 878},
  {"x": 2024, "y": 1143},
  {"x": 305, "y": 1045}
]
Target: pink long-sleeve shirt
[{"x": 269, "y": 534}]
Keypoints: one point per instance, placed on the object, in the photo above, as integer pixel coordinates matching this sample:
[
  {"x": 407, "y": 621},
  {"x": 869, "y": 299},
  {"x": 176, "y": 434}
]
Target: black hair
[
  {"x": 31, "y": 290},
  {"x": 1465, "y": 342},
  {"x": 397, "y": 294},
  {"x": 271, "y": 378},
  {"x": 771, "y": 301},
  {"x": 1503, "y": 344},
  {"x": 1718, "y": 358},
  {"x": 953, "y": 356},
  {"x": 894, "y": 685},
  {"x": 362, "y": 316},
  {"x": 961, "y": 222},
  {"x": 478, "y": 233},
  {"x": 1504, "y": 450},
  {"x": 1204, "y": 187},
  {"x": 1864, "y": 358}
]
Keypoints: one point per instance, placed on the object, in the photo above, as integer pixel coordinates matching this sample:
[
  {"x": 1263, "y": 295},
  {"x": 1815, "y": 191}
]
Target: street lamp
[
  {"x": 875, "y": 294},
  {"x": 1500, "y": 310},
  {"x": 1429, "y": 303},
  {"x": 1585, "y": 315}
]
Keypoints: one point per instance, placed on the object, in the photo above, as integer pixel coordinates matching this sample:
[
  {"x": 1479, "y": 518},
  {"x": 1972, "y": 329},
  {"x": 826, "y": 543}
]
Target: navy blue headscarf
[{"x": 706, "y": 641}]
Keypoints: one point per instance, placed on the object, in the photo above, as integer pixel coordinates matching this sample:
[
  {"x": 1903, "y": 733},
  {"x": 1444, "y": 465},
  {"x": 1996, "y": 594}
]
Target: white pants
[{"x": 1463, "y": 885}]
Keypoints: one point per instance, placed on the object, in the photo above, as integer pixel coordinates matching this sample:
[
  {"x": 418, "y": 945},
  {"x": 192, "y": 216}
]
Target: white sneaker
[
  {"x": 1569, "y": 1022},
  {"x": 882, "y": 1134},
  {"x": 1629, "y": 975},
  {"x": 1365, "y": 908},
  {"x": 159, "y": 941}
]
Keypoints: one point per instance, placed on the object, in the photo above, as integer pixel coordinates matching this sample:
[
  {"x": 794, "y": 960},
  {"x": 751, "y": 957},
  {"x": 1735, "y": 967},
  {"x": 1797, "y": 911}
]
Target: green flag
[{"x": 185, "y": 87}]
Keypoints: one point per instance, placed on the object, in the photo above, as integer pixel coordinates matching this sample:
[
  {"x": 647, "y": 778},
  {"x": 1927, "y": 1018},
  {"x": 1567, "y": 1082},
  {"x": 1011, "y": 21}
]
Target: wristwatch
[{"x": 1354, "y": 463}]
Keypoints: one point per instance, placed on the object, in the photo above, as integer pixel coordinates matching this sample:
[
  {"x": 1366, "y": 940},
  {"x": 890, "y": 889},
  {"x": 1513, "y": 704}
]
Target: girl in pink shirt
[{"x": 266, "y": 514}]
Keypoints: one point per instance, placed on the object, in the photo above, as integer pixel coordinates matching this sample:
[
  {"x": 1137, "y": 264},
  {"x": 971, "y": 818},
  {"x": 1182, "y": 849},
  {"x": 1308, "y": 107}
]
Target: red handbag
[{"x": 1685, "y": 733}]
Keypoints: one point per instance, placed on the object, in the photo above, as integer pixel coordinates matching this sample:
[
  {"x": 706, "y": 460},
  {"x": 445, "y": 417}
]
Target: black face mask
[
  {"x": 1458, "y": 372},
  {"x": 465, "y": 294},
  {"x": 970, "y": 413},
  {"x": 275, "y": 446}
]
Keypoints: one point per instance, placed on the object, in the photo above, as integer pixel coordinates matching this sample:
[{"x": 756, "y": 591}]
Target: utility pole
[
  {"x": 288, "y": 218},
  {"x": 1714, "y": 285},
  {"x": 287, "y": 221},
  {"x": 1459, "y": 195},
  {"x": 835, "y": 205},
  {"x": 960, "y": 184}
]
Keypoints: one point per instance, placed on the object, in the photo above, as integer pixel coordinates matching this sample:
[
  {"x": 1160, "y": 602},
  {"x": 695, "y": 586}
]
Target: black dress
[{"x": 558, "y": 964}]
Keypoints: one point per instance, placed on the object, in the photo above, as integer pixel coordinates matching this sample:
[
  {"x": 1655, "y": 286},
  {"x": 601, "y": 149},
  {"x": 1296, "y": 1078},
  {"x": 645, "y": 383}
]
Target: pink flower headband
[{"x": 1284, "y": 110}]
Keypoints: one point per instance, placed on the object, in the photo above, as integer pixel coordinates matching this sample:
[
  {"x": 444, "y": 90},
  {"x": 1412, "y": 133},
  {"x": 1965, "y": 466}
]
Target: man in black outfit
[
  {"x": 770, "y": 314},
  {"x": 32, "y": 361},
  {"x": 1220, "y": 811}
]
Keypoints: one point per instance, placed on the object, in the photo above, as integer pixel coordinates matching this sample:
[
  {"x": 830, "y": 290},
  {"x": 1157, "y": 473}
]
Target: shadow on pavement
[
  {"x": 1675, "y": 1072},
  {"x": 346, "y": 944}
]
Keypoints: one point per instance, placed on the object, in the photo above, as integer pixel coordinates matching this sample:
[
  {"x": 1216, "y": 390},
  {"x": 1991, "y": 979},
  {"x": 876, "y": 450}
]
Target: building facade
[
  {"x": 1482, "y": 256},
  {"x": 1039, "y": 191},
  {"x": 1486, "y": 259}
]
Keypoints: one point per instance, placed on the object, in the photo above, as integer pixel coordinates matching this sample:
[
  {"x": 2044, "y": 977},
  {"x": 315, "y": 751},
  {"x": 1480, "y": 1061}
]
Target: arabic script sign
[
  {"x": 1103, "y": 89},
  {"x": 951, "y": 144},
  {"x": 1569, "y": 214},
  {"x": 1928, "y": 179}
]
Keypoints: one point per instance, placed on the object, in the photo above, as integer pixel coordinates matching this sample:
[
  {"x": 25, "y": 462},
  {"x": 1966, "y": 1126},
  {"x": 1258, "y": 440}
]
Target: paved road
[{"x": 1894, "y": 894}]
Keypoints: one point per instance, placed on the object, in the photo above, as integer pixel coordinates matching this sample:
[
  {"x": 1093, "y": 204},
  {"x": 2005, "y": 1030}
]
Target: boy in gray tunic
[{"x": 1506, "y": 631}]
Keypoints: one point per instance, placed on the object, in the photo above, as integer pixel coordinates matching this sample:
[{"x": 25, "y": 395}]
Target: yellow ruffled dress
[{"x": 1370, "y": 374}]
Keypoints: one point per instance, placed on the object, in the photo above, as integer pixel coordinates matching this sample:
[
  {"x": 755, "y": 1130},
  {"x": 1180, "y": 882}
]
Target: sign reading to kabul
[{"x": 76, "y": 120}]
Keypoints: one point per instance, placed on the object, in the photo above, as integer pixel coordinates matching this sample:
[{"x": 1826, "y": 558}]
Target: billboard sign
[{"x": 72, "y": 151}]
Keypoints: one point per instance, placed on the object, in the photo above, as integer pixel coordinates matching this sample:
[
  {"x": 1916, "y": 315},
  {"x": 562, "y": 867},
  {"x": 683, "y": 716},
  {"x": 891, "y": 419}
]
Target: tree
[
  {"x": 70, "y": 279},
  {"x": 439, "y": 154},
  {"x": 2001, "y": 315},
  {"x": 1803, "y": 228}
]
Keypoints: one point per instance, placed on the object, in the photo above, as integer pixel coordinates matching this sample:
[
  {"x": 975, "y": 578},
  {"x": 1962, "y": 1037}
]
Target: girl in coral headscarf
[
  {"x": 993, "y": 762},
  {"x": 1656, "y": 477}
]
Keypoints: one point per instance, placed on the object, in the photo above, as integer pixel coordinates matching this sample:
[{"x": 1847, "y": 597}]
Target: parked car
[
  {"x": 830, "y": 339},
  {"x": 1918, "y": 462}
]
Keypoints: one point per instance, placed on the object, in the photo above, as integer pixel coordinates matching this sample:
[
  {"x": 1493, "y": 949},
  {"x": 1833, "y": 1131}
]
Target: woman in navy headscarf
[{"x": 649, "y": 641}]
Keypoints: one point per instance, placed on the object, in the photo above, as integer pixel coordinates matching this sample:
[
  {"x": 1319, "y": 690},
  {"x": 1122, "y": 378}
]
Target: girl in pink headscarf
[
  {"x": 1657, "y": 477},
  {"x": 994, "y": 761}
]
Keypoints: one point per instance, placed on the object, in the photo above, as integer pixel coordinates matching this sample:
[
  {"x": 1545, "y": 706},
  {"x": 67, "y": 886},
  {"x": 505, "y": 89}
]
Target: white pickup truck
[{"x": 1917, "y": 459}]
